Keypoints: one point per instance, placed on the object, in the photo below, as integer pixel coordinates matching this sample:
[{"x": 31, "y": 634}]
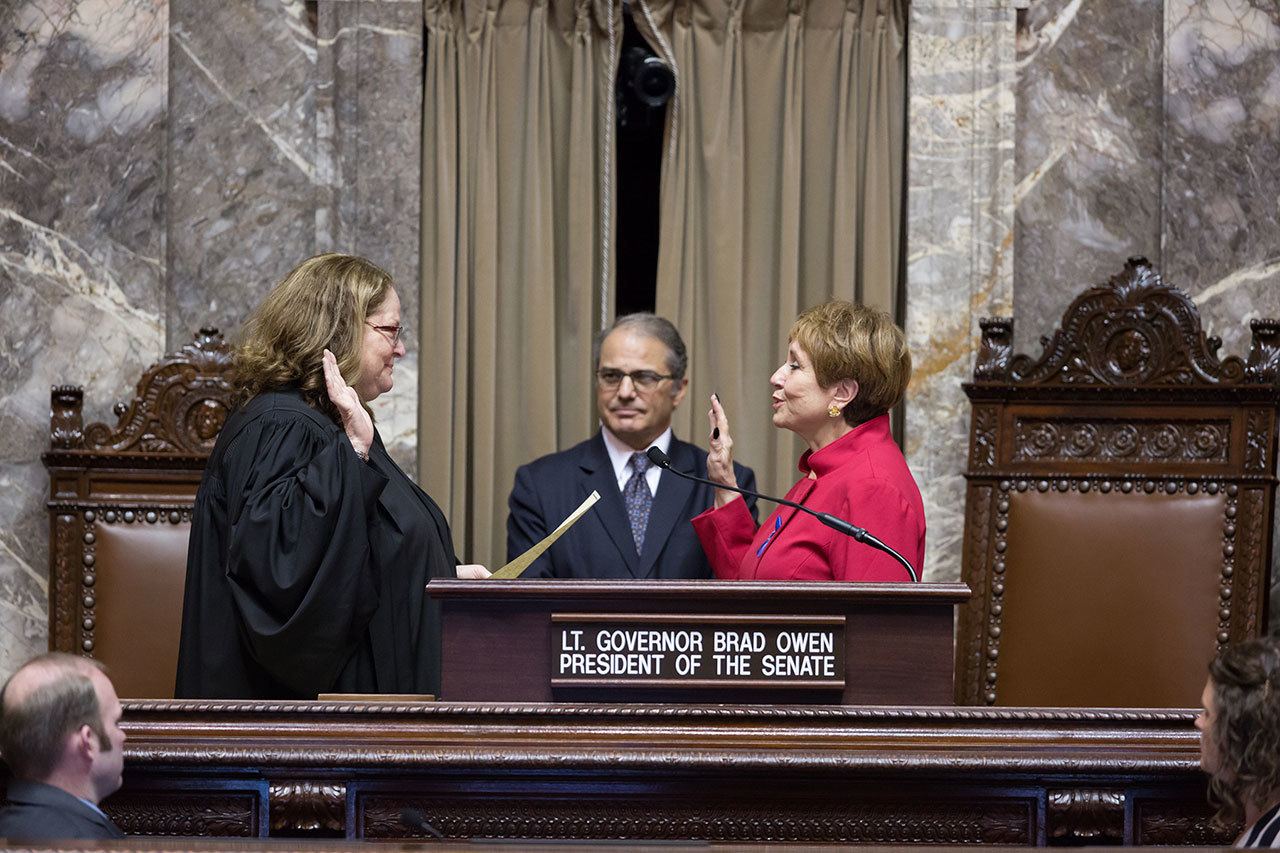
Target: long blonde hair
[{"x": 321, "y": 304}]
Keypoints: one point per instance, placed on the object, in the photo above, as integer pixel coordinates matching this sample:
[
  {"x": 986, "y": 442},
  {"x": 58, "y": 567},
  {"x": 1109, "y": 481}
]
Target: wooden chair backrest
[
  {"x": 1119, "y": 503},
  {"x": 120, "y": 514}
]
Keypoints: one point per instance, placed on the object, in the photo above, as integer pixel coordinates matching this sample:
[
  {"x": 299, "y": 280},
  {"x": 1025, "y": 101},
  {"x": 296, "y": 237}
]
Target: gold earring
[{"x": 833, "y": 411}]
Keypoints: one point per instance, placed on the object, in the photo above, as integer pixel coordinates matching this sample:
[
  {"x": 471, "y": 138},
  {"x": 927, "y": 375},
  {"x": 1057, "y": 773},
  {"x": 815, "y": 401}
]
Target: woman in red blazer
[{"x": 847, "y": 366}]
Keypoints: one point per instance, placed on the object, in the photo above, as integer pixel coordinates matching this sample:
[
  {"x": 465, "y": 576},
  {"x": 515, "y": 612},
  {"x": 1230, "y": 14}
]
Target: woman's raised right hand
[
  {"x": 720, "y": 453},
  {"x": 355, "y": 420}
]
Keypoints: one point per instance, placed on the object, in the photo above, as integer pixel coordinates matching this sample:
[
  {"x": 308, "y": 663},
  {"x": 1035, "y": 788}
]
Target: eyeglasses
[
  {"x": 393, "y": 331},
  {"x": 643, "y": 380}
]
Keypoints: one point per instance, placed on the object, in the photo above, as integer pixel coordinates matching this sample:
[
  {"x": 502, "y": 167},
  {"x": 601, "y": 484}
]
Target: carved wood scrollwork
[
  {"x": 1086, "y": 815},
  {"x": 1250, "y": 558},
  {"x": 187, "y": 814},
  {"x": 1177, "y": 823},
  {"x": 308, "y": 807},
  {"x": 996, "y": 348},
  {"x": 970, "y": 822},
  {"x": 1098, "y": 440},
  {"x": 1133, "y": 330},
  {"x": 986, "y": 436},
  {"x": 969, "y": 648},
  {"x": 66, "y": 421},
  {"x": 1263, "y": 366},
  {"x": 180, "y": 404},
  {"x": 63, "y": 628},
  {"x": 1257, "y": 438}
]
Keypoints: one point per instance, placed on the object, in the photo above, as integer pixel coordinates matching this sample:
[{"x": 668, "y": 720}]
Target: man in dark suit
[
  {"x": 60, "y": 735},
  {"x": 640, "y": 527}
]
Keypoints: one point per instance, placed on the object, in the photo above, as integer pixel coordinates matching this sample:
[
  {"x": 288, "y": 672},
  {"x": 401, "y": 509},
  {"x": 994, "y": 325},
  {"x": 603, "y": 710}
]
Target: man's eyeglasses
[
  {"x": 393, "y": 331},
  {"x": 643, "y": 380}
]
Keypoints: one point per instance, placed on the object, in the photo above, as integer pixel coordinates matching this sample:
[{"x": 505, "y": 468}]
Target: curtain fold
[
  {"x": 783, "y": 188},
  {"x": 514, "y": 135}
]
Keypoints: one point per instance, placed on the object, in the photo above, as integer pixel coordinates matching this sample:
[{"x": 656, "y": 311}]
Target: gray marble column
[
  {"x": 1090, "y": 125},
  {"x": 1222, "y": 160},
  {"x": 294, "y": 130},
  {"x": 82, "y": 255},
  {"x": 959, "y": 237},
  {"x": 369, "y": 150},
  {"x": 243, "y": 181}
]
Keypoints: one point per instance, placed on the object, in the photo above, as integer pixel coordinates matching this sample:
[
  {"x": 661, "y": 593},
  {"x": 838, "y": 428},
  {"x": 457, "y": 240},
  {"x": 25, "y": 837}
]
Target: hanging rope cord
[{"x": 606, "y": 192}]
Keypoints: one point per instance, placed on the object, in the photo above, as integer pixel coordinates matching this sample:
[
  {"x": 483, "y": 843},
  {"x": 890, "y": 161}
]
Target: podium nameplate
[
  {"x": 798, "y": 642},
  {"x": 682, "y": 651}
]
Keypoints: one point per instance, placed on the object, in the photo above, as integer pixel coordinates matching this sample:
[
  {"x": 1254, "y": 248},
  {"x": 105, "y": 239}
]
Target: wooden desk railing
[{"x": 713, "y": 772}]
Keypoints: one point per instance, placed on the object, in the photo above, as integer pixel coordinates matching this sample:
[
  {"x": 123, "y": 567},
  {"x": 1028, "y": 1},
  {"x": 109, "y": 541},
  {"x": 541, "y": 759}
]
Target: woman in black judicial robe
[{"x": 310, "y": 548}]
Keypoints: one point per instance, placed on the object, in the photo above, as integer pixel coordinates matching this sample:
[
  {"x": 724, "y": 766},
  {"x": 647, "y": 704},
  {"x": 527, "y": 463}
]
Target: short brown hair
[
  {"x": 321, "y": 304},
  {"x": 1246, "y": 727},
  {"x": 32, "y": 731},
  {"x": 850, "y": 341}
]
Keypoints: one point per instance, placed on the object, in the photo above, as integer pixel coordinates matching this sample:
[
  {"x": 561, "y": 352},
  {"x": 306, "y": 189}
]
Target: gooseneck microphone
[
  {"x": 414, "y": 819},
  {"x": 657, "y": 457}
]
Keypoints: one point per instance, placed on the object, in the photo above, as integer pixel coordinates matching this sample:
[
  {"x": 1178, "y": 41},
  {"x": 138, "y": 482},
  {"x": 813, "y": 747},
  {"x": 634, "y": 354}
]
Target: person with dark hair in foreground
[
  {"x": 310, "y": 549},
  {"x": 60, "y": 735},
  {"x": 1239, "y": 727},
  {"x": 847, "y": 365}
]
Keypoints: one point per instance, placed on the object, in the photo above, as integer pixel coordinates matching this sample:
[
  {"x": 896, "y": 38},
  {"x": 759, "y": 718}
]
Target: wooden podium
[{"x": 697, "y": 641}]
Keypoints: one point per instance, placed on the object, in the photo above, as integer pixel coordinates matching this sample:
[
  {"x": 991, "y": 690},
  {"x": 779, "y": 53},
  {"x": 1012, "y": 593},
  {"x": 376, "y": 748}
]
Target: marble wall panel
[
  {"x": 369, "y": 149},
  {"x": 82, "y": 174},
  {"x": 243, "y": 185},
  {"x": 960, "y": 168},
  {"x": 1222, "y": 156},
  {"x": 1090, "y": 125}
]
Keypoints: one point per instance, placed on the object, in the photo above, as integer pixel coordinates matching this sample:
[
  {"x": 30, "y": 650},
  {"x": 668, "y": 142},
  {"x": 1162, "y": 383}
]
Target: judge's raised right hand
[
  {"x": 355, "y": 420},
  {"x": 720, "y": 453}
]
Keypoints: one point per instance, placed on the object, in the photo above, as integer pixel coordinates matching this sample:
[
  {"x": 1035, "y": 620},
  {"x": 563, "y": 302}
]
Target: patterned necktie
[{"x": 638, "y": 498}]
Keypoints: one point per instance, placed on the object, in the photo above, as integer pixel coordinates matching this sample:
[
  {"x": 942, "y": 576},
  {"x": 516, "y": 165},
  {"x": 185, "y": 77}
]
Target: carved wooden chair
[
  {"x": 120, "y": 513},
  {"x": 1119, "y": 503}
]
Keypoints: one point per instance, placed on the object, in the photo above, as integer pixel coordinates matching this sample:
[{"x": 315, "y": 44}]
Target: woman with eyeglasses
[
  {"x": 1239, "y": 727},
  {"x": 310, "y": 548},
  {"x": 847, "y": 365}
]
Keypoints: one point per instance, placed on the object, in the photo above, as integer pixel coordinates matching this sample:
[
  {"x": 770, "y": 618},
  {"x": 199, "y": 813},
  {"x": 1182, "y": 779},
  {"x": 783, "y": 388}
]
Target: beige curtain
[
  {"x": 514, "y": 147},
  {"x": 783, "y": 188}
]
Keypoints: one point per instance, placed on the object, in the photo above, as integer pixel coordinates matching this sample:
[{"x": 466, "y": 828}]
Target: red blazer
[{"x": 862, "y": 478}]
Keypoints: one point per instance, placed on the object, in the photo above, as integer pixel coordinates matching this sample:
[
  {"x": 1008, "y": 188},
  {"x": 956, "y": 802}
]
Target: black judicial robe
[{"x": 306, "y": 565}]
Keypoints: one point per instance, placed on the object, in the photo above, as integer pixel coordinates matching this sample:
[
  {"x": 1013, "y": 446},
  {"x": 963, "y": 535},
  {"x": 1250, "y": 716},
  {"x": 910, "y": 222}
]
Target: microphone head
[
  {"x": 416, "y": 820},
  {"x": 657, "y": 457}
]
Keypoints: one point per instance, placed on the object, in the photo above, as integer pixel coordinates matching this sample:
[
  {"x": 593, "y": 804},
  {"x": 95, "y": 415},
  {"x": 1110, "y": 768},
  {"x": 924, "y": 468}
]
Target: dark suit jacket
[
  {"x": 600, "y": 544},
  {"x": 39, "y": 812}
]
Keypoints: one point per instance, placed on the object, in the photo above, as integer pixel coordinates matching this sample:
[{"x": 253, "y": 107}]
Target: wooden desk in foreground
[{"x": 711, "y": 772}]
